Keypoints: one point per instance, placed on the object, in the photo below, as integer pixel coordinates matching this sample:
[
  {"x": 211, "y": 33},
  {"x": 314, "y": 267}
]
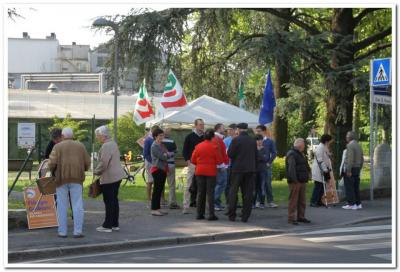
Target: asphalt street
[{"x": 357, "y": 244}]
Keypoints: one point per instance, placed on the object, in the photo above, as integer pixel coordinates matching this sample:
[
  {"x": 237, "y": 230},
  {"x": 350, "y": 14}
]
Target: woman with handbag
[
  {"x": 159, "y": 170},
  {"x": 321, "y": 170},
  {"x": 111, "y": 173}
]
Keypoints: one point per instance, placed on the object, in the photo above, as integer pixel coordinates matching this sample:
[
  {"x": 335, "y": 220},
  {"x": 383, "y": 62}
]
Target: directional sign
[{"x": 381, "y": 72}]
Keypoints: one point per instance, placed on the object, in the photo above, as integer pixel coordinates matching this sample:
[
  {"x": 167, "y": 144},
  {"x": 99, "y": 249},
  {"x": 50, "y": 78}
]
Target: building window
[{"x": 101, "y": 61}]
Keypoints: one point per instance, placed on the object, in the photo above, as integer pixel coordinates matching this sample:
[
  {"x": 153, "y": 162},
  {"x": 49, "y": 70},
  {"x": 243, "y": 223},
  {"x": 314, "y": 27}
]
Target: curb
[{"x": 35, "y": 254}]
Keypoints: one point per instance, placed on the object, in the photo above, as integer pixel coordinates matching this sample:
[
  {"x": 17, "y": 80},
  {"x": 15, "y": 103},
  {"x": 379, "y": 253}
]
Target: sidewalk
[{"x": 140, "y": 229}]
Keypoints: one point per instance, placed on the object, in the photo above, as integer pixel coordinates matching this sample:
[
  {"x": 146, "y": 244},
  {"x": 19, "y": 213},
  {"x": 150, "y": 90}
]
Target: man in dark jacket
[
  {"x": 243, "y": 153},
  {"x": 55, "y": 138},
  {"x": 191, "y": 140},
  {"x": 297, "y": 173}
]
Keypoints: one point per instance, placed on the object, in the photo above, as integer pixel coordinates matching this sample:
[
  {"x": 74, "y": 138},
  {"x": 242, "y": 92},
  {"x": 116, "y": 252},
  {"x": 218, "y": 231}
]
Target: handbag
[{"x": 95, "y": 189}]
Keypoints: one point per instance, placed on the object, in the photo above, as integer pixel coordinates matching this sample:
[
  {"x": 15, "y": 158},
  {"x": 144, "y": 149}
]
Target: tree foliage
[{"x": 80, "y": 133}]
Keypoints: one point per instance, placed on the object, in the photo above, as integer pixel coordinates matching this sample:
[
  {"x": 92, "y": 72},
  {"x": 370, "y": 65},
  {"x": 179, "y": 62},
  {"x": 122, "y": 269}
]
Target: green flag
[{"x": 241, "y": 96}]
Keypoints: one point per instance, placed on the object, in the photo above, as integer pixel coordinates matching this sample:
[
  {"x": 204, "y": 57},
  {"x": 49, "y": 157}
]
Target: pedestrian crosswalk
[{"x": 374, "y": 240}]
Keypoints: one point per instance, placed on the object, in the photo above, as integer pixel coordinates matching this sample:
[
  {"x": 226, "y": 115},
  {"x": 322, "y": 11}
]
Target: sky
[{"x": 71, "y": 23}]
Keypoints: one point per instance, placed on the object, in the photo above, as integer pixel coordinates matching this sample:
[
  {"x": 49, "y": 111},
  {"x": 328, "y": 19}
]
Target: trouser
[
  {"x": 246, "y": 183},
  {"x": 259, "y": 192},
  {"x": 159, "y": 177},
  {"x": 171, "y": 183},
  {"x": 75, "y": 190},
  {"x": 189, "y": 179},
  {"x": 110, "y": 198},
  {"x": 205, "y": 187},
  {"x": 193, "y": 191},
  {"x": 268, "y": 185},
  {"x": 228, "y": 185},
  {"x": 317, "y": 193},
  {"x": 220, "y": 185},
  {"x": 352, "y": 186},
  {"x": 297, "y": 201}
]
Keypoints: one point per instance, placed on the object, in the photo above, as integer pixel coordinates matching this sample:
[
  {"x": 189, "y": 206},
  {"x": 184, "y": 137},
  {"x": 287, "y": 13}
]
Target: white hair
[
  {"x": 103, "y": 131},
  {"x": 67, "y": 133},
  {"x": 298, "y": 142}
]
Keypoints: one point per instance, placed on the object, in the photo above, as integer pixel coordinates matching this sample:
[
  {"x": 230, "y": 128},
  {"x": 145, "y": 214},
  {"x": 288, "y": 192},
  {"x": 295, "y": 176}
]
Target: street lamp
[{"x": 102, "y": 22}]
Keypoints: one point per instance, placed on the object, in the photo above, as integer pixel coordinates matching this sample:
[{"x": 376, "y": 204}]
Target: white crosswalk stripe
[
  {"x": 375, "y": 240},
  {"x": 384, "y": 256},
  {"x": 387, "y": 245},
  {"x": 348, "y": 237},
  {"x": 351, "y": 229}
]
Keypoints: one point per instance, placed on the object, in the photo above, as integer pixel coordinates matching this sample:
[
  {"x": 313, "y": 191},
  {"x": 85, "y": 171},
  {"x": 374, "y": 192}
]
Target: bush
[{"x": 278, "y": 168}]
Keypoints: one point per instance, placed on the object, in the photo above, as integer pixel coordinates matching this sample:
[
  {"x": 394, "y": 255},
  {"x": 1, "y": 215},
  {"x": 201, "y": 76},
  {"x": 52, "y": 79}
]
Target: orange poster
[{"x": 45, "y": 214}]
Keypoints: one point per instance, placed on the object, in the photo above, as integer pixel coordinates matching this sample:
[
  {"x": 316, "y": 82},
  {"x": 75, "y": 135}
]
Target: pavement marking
[
  {"x": 351, "y": 229},
  {"x": 386, "y": 245},
  {"x": 348, "y": 237},
  {"x": 151, "y": 249},
  {"x": 384, "y": 256}
]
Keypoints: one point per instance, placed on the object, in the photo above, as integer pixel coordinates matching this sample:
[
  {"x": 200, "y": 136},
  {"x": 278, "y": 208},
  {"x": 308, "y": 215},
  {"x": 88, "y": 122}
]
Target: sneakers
[
  {"x": 185, "y": 211},
  {"x": 80, "y": 235},
  {"x": 272, "y": 205},
  {"x": 157, "y": 213},
  {"x": 115, "y": 228},
  {"x": 261, "y": 206},
  {"x": 219, "y": 208},
  {"x": 359, "y": 206},
  {"x": 350, "y": 207},
  {"x": 60, "y": 235},
  {"x": 257, "y": 205},
  {"x": 101, "y": 229}
]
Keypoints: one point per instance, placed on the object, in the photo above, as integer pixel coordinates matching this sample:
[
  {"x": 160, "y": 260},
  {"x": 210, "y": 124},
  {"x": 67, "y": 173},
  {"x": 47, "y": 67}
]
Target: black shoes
[
  {"x": 193, "y": 204},
  {"x": 212, "y": 218},
  {"x": 293, "y": 222},
  {"x": 303, "y": 220},
  {"x": 200, "y": 217},
  {"x": 78, "y": 236}
]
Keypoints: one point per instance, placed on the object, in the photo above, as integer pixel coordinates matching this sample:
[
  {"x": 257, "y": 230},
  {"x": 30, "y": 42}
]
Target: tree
[
  {"x": 128, "y": 133},
  {"x": 80, "y": 134}
]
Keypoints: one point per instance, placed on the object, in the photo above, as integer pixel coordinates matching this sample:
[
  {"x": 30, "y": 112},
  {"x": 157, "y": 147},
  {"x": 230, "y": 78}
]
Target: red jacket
[
  {"x": 223, "y": 156},
  {"x": 205, "y": 157}
]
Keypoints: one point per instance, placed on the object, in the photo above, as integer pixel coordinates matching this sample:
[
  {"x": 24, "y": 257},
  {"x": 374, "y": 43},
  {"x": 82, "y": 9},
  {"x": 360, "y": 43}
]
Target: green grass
[{"x": 137, "y": 192}]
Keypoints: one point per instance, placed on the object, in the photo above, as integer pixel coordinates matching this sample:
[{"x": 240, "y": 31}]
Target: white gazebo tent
[{"x": 211, "y": 110}]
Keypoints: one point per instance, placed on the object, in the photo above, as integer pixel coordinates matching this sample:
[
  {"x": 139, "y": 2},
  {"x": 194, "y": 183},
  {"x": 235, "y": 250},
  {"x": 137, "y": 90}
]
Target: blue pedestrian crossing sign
[{"x": 381, "y": 72}]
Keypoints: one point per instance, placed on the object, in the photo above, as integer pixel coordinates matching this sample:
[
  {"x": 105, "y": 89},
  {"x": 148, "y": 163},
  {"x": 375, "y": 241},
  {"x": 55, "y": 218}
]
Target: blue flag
[{"x": 268, "y": 103}]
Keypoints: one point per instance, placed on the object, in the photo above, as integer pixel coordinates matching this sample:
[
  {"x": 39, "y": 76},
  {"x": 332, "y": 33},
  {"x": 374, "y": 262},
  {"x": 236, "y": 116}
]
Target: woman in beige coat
[
  {"x": 111, "y": 173},
  {"x": 321, "y": 170}
]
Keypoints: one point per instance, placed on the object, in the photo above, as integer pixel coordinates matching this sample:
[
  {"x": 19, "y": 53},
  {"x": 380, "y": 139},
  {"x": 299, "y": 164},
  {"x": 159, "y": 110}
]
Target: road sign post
[{"x": 380, "y": 93}]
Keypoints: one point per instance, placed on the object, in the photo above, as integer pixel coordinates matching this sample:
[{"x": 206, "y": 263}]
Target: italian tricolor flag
[
  {"x": 143, "y": 110},
  {"x": 173, "y": 97}
]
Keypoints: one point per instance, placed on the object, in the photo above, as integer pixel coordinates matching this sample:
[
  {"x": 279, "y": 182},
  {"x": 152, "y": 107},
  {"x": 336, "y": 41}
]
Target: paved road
[{"x": 366, "y": 244}]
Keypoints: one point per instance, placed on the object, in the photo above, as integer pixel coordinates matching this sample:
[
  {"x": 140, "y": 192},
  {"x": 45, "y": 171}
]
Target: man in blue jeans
[
  {"x": 222, "y": 173},
  {"x": 270, "y": 154},
  {"x": 70, "y": 160}
]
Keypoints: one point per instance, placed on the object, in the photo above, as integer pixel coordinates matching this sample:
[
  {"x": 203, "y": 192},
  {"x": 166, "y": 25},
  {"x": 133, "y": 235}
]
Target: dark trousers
[
  {"x": 110, "y": 198},
  {"x": 193, "y": 192},
  {"x": 352, "y": 186},
  {"x": 228, "y": 185},
  {"x": 246, "y": 182},
  {"x": 159, "y": 177},
  {"x": 317, "y": 193},
  {"x": 205, "y": 187},
  {"x": 297, "y": 201}
]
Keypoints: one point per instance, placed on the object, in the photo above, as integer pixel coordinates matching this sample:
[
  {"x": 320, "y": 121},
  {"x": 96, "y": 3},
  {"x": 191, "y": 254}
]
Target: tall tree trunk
[
  {"x": 280, "y": 124},
  {"x": 356, "y": 115},
  {"x": 340, "y": 91}
]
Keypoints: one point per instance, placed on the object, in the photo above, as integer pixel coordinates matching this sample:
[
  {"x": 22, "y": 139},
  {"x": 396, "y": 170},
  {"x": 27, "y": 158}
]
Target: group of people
[
  {"x": 218, "y": 162},
  {"x": 298, "y": 173}
]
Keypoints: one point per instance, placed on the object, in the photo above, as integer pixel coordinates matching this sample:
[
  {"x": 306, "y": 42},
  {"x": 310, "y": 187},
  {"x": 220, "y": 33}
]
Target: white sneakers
[
  {"x": 352, "y": 207},
  {"x": 101, "y": 229}
]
